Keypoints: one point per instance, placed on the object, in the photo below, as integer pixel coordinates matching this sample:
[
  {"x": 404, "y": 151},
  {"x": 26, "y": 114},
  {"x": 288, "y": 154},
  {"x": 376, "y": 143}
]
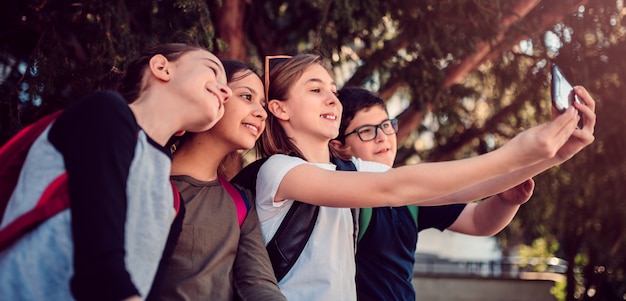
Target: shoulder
[
  {"x": 280, "y": 162},
  {"x": 102, "y": 101},
  {"x": 106, "y": 98},
  {"x": 104, "y": 107},
  {"x": 273, "y": 172},
  {"x": 280, "y": 158},
  {"x": 98, "y": 118}
]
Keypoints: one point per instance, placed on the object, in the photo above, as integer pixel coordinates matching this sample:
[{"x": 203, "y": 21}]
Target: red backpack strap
[
  {"x": 241, "y": 203},
  {"x": 53, "y": 200},
  {"x": 13, "y": 154}
]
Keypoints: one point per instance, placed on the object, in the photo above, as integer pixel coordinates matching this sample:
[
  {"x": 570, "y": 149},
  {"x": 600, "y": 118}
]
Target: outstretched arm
[
  {"x": 579, "y": 139},
  {"x": 426, "y": 181},
  {"x": 490, "y": 216}
]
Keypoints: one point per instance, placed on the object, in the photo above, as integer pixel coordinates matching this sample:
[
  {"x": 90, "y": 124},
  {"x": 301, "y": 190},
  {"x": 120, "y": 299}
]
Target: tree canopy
[{"x": 465, "y": 74}]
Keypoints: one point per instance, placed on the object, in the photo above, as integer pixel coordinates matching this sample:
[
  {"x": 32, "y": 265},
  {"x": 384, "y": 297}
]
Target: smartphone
[{"x": 563, "y": 95}]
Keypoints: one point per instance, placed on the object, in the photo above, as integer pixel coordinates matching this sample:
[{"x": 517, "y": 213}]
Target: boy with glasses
[{"x": 385, "y": 270}]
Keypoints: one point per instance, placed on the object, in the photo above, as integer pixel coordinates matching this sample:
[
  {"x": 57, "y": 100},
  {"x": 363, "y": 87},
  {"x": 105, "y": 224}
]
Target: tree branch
[{"x": 455, "y": 74}]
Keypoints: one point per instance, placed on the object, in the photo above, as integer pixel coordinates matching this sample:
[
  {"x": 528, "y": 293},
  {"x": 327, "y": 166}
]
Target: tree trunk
[{"x": 230, "y": 28}]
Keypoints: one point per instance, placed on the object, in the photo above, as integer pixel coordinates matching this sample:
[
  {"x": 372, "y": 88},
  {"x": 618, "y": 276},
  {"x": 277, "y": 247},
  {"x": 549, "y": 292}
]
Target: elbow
[
  {"x": 394, "y": 199},
  {"x": 489, "y": 232}
]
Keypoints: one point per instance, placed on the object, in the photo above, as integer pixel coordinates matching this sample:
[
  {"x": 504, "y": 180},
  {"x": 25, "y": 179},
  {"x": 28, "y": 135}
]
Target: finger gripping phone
[{"x": 563, "y": 95}]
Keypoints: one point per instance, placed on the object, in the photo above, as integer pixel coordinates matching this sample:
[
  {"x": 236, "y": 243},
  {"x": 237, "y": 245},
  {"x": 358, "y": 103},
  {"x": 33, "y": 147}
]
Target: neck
[
  {"x": 314, "y": 147},
  {"x": 199, "y": 158},
  {"x": 151, "y": 116},
  {"x": 314, "y": 152}
]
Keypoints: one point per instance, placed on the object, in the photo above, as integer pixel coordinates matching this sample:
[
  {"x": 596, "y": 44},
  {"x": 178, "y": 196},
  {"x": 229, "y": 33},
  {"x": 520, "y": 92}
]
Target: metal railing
[{"x": 508, "y": 267}]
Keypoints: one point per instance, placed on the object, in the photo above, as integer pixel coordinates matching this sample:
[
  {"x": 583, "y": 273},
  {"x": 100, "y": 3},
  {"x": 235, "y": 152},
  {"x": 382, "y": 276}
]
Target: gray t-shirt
[{"x": 214, "y": 257}]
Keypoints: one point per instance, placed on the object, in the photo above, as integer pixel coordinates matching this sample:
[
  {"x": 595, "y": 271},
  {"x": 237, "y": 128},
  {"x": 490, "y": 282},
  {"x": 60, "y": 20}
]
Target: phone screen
[{"x": 562, "y": 91}]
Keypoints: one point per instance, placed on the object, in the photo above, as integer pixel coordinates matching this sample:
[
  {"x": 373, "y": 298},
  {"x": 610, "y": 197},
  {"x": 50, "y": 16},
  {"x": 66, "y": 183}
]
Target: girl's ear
[
  {"x": 277, "y": 108},
  {"x": 336, "y": 144},
  {"x": 341, "y": 150},
  {"x": 160, "y": 67}
]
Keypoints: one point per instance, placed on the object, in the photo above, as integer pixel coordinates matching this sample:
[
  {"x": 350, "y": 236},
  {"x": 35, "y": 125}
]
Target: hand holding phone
[{"x": 563, "y": 95}]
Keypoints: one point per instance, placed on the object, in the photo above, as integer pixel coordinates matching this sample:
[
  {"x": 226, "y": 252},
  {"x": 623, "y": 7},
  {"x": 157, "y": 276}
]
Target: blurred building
[{"x": 453, "y": 266}]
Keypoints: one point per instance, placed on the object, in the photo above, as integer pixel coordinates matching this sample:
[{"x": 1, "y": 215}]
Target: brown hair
[
  {"x": 282, "y": 76},
  {"x": 133, "y": 83}
]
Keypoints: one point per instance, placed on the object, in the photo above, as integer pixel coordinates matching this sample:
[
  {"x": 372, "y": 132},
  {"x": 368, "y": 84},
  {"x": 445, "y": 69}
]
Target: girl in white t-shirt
[{"x": 304, "y": 115}]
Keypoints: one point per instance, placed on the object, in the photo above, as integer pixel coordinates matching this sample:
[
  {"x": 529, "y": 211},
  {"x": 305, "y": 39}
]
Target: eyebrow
[
  {"x": 366, "y": 124},
  {"x": 216, "y": 63},
  {"x": 253, "y": 91},
  {"x": 317, "y": 80}
]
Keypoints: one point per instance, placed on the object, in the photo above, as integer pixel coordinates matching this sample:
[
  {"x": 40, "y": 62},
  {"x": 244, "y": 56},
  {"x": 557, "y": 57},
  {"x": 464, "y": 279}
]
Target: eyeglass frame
[
  {"x": 266, "y": 71},
  {"x": 394, "y": 126}
]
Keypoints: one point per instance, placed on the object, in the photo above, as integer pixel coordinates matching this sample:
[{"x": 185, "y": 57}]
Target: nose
[
  {"x": 380, "y": 136},
  {"x": 332, "y": 98},
  {"x": 259, "y": 111},
  {"x": 225, "y": 91}
]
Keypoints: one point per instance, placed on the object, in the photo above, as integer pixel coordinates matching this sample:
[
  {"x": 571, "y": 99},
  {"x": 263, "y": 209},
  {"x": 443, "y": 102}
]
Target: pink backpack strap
[
  {"x": 53, "y": 200},
  {"x": 241, "y": 203},
  {"x": 176, "y": 197}
]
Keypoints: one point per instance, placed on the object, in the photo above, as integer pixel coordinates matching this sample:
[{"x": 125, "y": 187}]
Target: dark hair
[
  {"x": 132, "y": 84},
  {"x": 353, "y": 100},
  {"x": 282, "y": 76},
  {"x": 233, "y": 67}
]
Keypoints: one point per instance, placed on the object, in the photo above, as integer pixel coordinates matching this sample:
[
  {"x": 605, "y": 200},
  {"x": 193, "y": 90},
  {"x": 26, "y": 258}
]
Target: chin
[
  {"x": 383, "y": 160},
  {"x": 246, "y": 145}
]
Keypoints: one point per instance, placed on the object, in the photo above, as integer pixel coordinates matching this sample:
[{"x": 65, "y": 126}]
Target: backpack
[
  {"x": 365, "y": 215},
  {"x": 239, "y": 198},
  {"x": 55, "y": 199},
  {"x": 294, "y": 231}
]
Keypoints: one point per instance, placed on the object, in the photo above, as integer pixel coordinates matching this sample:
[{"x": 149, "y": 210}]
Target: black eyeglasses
[{"x": 369, "y": 132}]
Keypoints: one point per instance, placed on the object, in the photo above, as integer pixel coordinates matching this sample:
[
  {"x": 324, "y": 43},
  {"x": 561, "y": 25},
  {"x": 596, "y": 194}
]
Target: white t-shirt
[{"x": 326, "y": 268}]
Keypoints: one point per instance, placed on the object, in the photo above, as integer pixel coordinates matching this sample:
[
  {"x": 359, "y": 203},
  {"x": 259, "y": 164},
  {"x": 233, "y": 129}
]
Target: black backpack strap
[
  {"x": 346, "y": 165},
  {"x": 246, "y": 178},
  {"x": 291, "y": 237},
  {"x": 294, "y": 231}
]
